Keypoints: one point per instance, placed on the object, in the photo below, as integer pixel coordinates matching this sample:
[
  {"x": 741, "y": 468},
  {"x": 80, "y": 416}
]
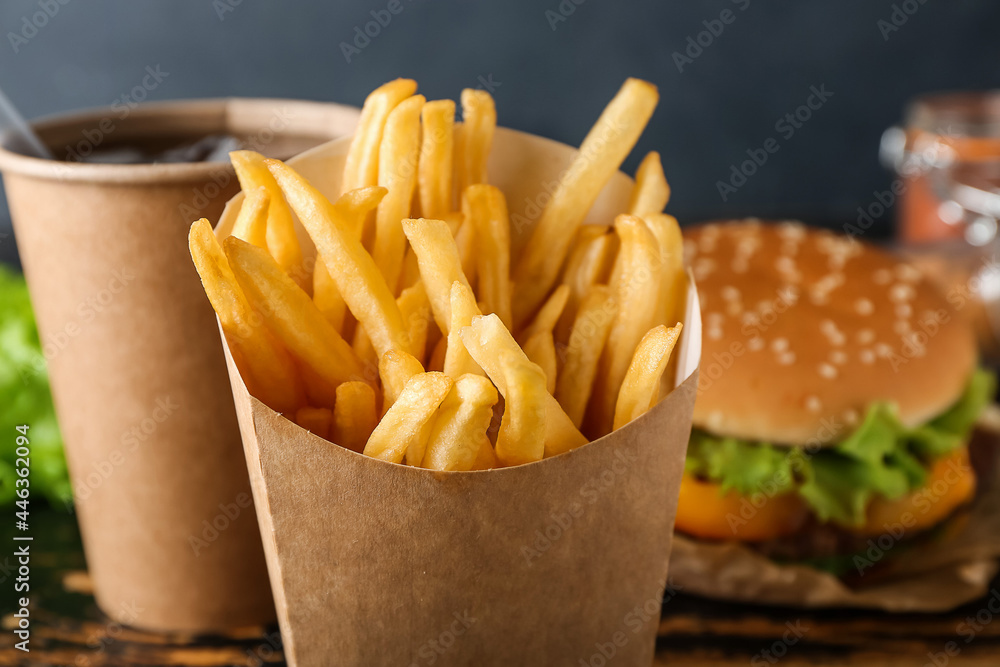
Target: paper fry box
[
  {"x": 137, "y": 372},
  {"x": 553, "y": 563}
]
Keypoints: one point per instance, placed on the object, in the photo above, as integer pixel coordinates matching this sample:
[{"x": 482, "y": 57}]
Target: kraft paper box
[
  {"x": 550, "y": 563},
  {"x": 137, "y": 371}
]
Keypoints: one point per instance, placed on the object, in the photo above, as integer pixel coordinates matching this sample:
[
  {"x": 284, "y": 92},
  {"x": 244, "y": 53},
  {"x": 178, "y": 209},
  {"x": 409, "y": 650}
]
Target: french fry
[
  {"x": 361, "y": 166},
  {"x": 548, "y": 315},
  {"x": 354, "y": 416},
  {"x": 641, "y": 387},
  {"x": 358, "y": 279},
  {"x": 601, "y": 154},
  {"x": 416, "y": 311},
  {"x": 487, "y": 458},
  {"x": 674, "y": 287},
  {"x": 585, "y": 268},
  {"x": 521, "y": 438},
  {"x": 440, "y": 265},
  {"x": 637, "y": 294},
  {"x": 462, "y": 420},
  {"x": 487, "y": 339},
  {"x": 402, "y": 433},
  {"x": 316, "y": 420},
  {"x": 485, "y": 208},
  {"x": 251, "y": 223},
  {"x": 326, "y": 296},
  {"x": 651, "y": 191},
  {"x": 436, "y": 157},
  {"x": 296, "y": 321},
  {"x": 282, "y": 242},
  {"x": 457, "y": 360},
  {"x": 474, "y": 138},
  {"x": 397, "y": 172},
  {"x": 541, "y": 350},
  {"x": 396, "y": 367},
  {"x": 583, "y": 351},
  {"x": 465, "y": 239},
  {"x": 265, "y": 365}
]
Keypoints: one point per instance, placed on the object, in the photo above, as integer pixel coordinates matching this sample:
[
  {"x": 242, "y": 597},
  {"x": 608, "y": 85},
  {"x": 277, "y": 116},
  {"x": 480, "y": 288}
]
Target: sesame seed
[
  {"x": 851, "y": 416},
  {"x": 730, "y": 293},
  {"x": 883, "y": 350},
  {"x": 786, "y": 358},
  {"x": 902, "y": 327},
  {"x": 864, "y": 306},
  {"x": 813, "y": 404},
  {"x": 734, "y": 308},
  {"x": 838, "y": 357},
  {"x": 908, "y": 273},
  {"x": 715, "y": 419},
  {"x": 904, "y": 310},
  {"x": 755, "y": 344},
  {"x": 779, "y": 344},
  {"x": 901, "y": 292},
  {"x": 827, "y": 371},
  {"x": 867, "y": 357},
  {"x": 882, "y": 277},
  {"x": 866, "y": 336},
  {"x": 714, "y": 333},
  {"x": 714, "y": 317},
  {"x": 739, "y": 265}
]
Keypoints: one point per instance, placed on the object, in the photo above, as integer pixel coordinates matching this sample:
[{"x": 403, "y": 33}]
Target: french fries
[
  {"x": 637, "y": 294},
  {"x": 602, "y": 152},
  {"x": 522, "y": 430},
  {"x": 486, "y": 210},
  {"x": 264, "y": 363},
  {"x": 358, "y": 279},
  {"x": 251, "y": 223},
  {"x": 397, "y": 173},
  {"x": 457, "y": 437},
  {"x": 583, "y": 352},
  {"x": 651, "y": 192},
  {"x": 573, "y": 332},
  {"x": 641, "y": 387},
  {"x": 361, "y": 165},
  {"x": 354, "y": 415},
  {"x": 294, "y": 318},
  {"x": 282, "y": 241},
  {"x": 475, "y": 137},
  {"x": 436, "y": 157},
  {"x": 401, "y": 432}
]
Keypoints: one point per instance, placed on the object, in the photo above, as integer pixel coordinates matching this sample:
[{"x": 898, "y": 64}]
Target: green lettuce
[
  {"x": 881, "y": 458},
  {"x": 25, "y": 399}
]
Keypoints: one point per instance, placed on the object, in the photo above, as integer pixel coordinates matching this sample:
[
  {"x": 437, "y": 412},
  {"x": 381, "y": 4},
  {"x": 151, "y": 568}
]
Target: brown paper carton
[
  {"x": 137, "y": 372},
  {"x": 560, "y": 562}
]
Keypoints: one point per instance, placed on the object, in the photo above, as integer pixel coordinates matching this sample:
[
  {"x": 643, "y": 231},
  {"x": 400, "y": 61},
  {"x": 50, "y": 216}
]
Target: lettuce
[
  {"x": 25, "y": 399},
  {"x": 881, "y": 458}
]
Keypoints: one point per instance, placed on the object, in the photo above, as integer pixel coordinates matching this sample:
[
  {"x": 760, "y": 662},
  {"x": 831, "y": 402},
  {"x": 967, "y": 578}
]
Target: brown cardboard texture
[
  {"x": 137, "y": 372},
  {"x": 549, "y": 563}
]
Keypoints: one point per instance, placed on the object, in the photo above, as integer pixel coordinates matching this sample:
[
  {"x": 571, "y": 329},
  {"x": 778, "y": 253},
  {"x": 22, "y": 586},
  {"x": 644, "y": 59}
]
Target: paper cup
[
  {"x": 137, "y": 371},
  {"x": 560, "y": 562}
]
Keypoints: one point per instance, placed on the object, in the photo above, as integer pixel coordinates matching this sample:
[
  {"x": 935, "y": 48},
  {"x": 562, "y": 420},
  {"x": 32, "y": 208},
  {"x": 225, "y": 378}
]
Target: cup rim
[{"x": 211, "y": 114}]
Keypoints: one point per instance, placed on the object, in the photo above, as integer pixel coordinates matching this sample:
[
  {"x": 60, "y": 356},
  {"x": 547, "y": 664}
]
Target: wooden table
[{"x": 67, "y": 628}]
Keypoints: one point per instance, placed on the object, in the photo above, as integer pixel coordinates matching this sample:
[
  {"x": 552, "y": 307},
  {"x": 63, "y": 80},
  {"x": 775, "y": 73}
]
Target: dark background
[{"x": 551, "y": 81}]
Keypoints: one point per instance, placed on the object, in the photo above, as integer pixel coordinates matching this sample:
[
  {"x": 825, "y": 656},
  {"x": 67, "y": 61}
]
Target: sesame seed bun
[{"x": 804, "y": 329}]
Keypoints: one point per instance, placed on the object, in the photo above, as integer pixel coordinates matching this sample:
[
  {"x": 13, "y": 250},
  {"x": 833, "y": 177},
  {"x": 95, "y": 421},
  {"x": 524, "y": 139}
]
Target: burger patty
[{"x": 817, "y": 541}]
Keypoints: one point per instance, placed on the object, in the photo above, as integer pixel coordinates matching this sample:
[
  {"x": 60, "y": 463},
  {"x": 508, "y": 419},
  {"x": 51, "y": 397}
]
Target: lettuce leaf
[
  {"x": 881, "y": 458},
  {"x": 25, "y": 399}
]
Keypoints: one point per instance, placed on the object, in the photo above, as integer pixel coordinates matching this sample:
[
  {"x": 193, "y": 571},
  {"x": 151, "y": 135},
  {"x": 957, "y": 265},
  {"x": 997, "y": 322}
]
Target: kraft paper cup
[
  {"x": 560, "y": 562},
  {"x": 137, "y": 371}
]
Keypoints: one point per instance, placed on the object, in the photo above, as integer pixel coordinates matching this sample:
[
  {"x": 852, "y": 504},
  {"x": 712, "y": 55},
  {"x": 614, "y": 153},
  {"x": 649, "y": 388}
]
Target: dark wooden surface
[{"x": 67, "y": 628}]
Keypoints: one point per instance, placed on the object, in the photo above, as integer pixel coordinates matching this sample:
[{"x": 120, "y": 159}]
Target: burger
[{"x": 837, "y": 393}]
